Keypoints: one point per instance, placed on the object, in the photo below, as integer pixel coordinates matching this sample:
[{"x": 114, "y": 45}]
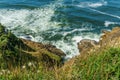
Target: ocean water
[{"x": 62, "y": 23}]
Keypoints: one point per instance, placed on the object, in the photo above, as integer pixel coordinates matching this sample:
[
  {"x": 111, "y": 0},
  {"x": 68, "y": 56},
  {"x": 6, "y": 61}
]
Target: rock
[
  {"x": 105, "y": 31},
  {"x": 85, "y": 44},
  {"x": 54, "y": 50},
  {"x": 48, "y": 47},
  {"x": 20, "y": 51},
  {"x": 45, "y": 52},
  {"x": 108, "y": 39}
]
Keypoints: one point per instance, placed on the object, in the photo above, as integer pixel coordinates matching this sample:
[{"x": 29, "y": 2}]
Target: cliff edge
[{"x": 15, "y": 51}]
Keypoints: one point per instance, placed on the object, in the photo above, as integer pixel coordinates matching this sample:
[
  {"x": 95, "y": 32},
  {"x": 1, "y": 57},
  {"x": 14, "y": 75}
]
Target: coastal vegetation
[{"x": 22, "y": 59}]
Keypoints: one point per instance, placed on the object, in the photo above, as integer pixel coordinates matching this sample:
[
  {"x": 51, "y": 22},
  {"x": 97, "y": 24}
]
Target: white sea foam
[
  {"x": 23, "y": 22},
  {"x": 71, "y": 48},
  {"x": 107, "y": 23},
  {"x": 79, "y": 38},
  {"x": 72, "y": 31},
  {"x": 92, "y": 4},
  {"x": 115, "y": 16},
  {"x": 37, "y": 19}
]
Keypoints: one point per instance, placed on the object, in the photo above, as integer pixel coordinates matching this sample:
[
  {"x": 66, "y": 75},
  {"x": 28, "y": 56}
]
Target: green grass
[
  {"x": 104, "y": 65},
  {"x": 98, "y": 66}
]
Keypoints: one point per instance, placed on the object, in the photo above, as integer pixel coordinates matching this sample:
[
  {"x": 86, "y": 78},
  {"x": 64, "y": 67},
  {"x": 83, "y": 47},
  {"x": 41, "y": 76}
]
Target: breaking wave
[
  {"x": 108, "y": 23},
  {"x": 92, "y": 4}
]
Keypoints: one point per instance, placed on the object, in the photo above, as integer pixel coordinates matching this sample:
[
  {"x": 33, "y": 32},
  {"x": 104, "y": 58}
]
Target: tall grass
[
  {"x": 98, "y": 66},
  {"x": 104, "y": 65}
]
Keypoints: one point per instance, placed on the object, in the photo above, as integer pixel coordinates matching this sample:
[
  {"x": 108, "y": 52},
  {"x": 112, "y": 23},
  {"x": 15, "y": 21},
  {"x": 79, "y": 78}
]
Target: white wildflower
[
  {"x": 1, "y": 73},
  {"x": 23, "y": 66},
  {"x": 38, "y": 71},
  {"x": 8, "y": 72},
  {"x": 29, "y": 64}
]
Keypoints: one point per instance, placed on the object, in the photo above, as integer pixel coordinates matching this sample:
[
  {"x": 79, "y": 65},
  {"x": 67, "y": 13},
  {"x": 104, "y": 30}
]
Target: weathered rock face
[
  {"x": 108, "y": 39},
  {"x": 39, "y": 46},
  {"x": 54, "y": 50},
  {"x": 86, "y": 44},
  {"x": 45, "y": 52},
  {"x": 20, "y": 51}
]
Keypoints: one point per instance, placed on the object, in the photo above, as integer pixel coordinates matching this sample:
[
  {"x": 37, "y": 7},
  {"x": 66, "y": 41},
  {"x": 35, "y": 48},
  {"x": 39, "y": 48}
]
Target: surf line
[{"x": 115, "y": 16}]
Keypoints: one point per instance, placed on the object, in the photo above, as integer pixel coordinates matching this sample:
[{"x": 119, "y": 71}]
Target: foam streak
[{"x": 115, "y": 16}]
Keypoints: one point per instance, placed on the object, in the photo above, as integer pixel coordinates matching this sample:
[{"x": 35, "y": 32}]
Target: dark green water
[{"x": 62, "y": 23}]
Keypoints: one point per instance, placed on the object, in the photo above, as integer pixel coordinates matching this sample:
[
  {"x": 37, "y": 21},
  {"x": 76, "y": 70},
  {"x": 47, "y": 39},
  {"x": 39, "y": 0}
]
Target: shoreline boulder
[
  {"x": 108, "y": 39},
  {"x": 86, "y": 44}
]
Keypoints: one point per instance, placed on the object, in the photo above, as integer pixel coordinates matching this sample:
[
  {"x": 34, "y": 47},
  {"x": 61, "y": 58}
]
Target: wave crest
[{"x": 92, "y": 4}]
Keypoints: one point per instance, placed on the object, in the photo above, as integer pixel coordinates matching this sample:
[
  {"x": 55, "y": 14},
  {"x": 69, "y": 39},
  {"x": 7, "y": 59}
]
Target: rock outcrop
[
  {"x": 108, "y": 39},
  {"x": 86, "y": 44},
  {"x": 16, "y": 51},
  {"x": 45, "y": 52}
]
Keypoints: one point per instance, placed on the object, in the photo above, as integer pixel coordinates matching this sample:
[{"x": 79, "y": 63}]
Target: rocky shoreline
[
  {"x": 24, "y": 59},
  {"x": 13, "y": 48},
  {"x": 108, "y": 39}
]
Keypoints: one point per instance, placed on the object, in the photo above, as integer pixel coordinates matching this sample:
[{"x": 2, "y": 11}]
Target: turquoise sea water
[{"x": 62, "y": 23}]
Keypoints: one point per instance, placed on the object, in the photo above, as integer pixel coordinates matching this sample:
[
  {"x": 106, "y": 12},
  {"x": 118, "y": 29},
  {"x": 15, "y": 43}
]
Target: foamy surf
[
  {"x": 108, "y": 14},
  {"x": 92, "y": 4},
  {"x": 32, "y": 19},
  {"x": 70, "y": 46},
  {"x": 108, "y": 23}
]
